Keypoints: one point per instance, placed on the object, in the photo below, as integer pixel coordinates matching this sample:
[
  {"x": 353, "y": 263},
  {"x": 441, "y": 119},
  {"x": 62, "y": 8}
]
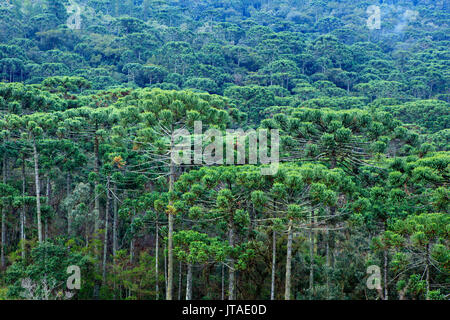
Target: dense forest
[{"x": 91, "y": 92}]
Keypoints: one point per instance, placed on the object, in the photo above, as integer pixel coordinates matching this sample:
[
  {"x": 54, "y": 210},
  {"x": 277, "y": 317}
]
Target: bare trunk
[
  {"x": 157, "y": 261},
  {"x": 180, "y": 276},
  {"x": 223, "y": 283},
  {"x": 96, "y": 195},
  {"x": 47, "y": 195},
  {"x": 427, "y": 263},
  {"x": 386, "y": 294},
  {"x": 2, "y": 258},
  {"x": 86, "y": 233},
  {"x": 287, "y": 292},
  {"x": 330, "y": 247},
  {"x": 328, "y": 264},
  {"x": 115, "y": 221},
  {"x": 97, "y": 221},
  {"x": 2, "y": 255},
  {"x": 274, "y": 256},
  {"x": 105, "y": 242},
  {"x": 189, "y": 282},
  {"x": 165, "y": 267},
  {"x": 311, "y": 256},
  {"x": 131, "y": 250},
  {"x": 231, "y": 271},
  {"x": 23, "y": 213},
  {"x": 69, "y": 213},
  {"x": 38, "y": 190},
  {"x": 170, "y": 238},
  {"x": 333, "y": 160}
]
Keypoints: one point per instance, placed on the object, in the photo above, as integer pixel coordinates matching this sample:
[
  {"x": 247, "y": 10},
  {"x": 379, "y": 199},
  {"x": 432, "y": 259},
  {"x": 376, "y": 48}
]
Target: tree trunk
[
  {"x": 231, "y": 272},
  {"x": 115, "y": 221},
  {"x": 274, "y": 256},
  {"x": 96, "y": 195},
  {"x": 23, "y": 212},
  {"x": 311, "y": 257},
  {"x": 386, "y": 294},
  {"x": 157, "y": 261},
  {"x": 131, "y": 250},
  {"x": 170, "y": 237},
  {"x": 69, "y": 213},
  {"x": 427, "y": 263},
  {"x": 105, "y": 242},
  {"x": 97, "y": 222},
  {"x": 189, "y": 282},
  {"x": 2, "y": 255},
  {"x": 165, "y": 267},
  {"x": 331, "y": 246},
  {"x": 333, "y": 161},
  {"x": 86, "y": 232},
  {"x": 328, "y": 263},
  {"x": 223, "y": 283},
  {"x": 38, "y": 190},
  {"x": 47, "y": 195},
  {"x": 287, "y": 292},
  {"x": 180, "y": 276}
]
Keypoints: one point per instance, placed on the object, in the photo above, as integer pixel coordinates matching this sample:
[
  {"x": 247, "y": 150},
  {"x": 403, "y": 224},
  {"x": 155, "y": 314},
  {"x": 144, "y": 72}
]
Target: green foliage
[
  {"x": 86, "y": 124},
  {"x": 47, "y": 268}
]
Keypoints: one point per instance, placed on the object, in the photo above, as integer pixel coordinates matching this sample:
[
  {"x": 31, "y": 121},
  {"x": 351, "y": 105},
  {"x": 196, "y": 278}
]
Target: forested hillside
[{"x": 91, "y": 92}]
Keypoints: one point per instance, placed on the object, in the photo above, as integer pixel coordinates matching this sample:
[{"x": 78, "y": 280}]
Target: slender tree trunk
[
  {"x": 96, "y": 195},
  {"x": 97, "y": 221},
  {"x": 333, "y": 161},
  {"x": 180, "y": 276},
  {"x": 231, "y": 271},
  {"x": 223, "y": 283},
  {"x": 157, "y": 261},
  {"x": 23, "y": 212},
  {"x": 330, "y": 247},
  {"x": 47, "y": 195},
  {"x": 5, "y": 169},
  {"x": 287, "y": 292},
  {"x": 170, "y": 238},
  {"x": 327, "y": 244},
  {"x": 86, "y": 232},
  {"x": 427, "y": 263},
  {"x": 2, "y": 255},
  {"x": 115, "y": 221},
  {"x": 105, "y": 242},
  {"x": 69, "y": 211},
  {"x": 165, "y": 267},
  {"x": 189, "y": 282},
  {"x": 386, "y": 293},
  {"x": 311, "y": 256},
  {"x": 38, "y": 190},
  {"x": 131, "y": 250},
  {"x": 274, "y": 256}
]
